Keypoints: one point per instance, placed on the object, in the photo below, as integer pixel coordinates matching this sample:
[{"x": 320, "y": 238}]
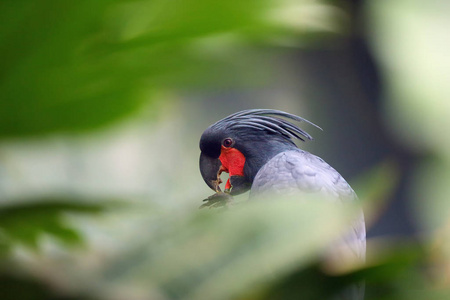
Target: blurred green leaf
[
  {"x": 430, "y": 193},
  {"x": 51, "y": 79},
  {"x": 309, "y": 282},
  {"x": 227, "y": 254},
  {"x": 72, "y": 66},
  {"x": 14, "y": 287},
  {"x": 395, "y": 270},
  {"x": 25, "y": 223},
  {"x": 378, "y": 182},
  {"x": 76, "y": 65},
  {"x": 416, "y": 70}
]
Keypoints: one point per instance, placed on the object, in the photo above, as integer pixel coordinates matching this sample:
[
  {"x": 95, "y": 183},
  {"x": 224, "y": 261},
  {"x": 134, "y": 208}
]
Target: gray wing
[{"x": 299, "y": 171}]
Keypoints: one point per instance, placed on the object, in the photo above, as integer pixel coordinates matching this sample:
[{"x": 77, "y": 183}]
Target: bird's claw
[{"x": 217, "y": 200}]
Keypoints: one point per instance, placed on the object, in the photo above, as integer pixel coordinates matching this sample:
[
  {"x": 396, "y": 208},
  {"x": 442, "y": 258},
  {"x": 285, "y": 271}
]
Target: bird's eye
[{"x": 227, "y": 142}]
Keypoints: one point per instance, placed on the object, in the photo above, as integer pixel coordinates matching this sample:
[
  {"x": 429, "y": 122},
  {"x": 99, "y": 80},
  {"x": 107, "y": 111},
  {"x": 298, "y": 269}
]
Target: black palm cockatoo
[{"x": 256, "y": 148}]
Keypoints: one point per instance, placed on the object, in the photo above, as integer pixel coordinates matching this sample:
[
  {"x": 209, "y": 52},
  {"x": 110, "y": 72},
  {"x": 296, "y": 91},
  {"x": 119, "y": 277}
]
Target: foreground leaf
[{"x": 25, "y": 223}]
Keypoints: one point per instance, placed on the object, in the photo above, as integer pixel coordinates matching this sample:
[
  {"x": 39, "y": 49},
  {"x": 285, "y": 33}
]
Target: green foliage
[
  {"x": 229, "y": 253},
  {"x": 26, "y": 223},
  {"x": 75, "y": 65},
  {"x": 18, "y": 288},
  {"x": 51, "y": 78},
  {"x": 55, "y": 75},
  {"x": 70, "y": 66}
]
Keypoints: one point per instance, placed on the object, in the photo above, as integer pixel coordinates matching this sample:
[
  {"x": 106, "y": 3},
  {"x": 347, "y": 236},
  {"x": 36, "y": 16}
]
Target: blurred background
[{"x": 102, "y": 104}]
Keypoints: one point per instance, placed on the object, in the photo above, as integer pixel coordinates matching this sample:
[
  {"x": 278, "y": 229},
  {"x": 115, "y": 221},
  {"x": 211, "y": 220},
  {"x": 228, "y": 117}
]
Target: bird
[{"x": 257, "y": 148}]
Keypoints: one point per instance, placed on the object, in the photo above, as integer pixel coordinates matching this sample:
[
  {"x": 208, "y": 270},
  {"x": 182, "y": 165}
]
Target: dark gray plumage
[
  {"x": 297, "y": 172},
  {"x": 264, "y": 120}
]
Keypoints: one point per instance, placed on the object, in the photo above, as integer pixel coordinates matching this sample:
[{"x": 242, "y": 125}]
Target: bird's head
[{"x": 243, "y": 142}]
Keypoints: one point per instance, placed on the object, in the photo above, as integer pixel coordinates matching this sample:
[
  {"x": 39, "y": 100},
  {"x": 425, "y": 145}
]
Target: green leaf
[
  {"x": 15, "y": 287},
  {"x": 376, "y": 186},
  {"x": 76, "y": 65},
  {"x": 226, "y": 254},
  {"x": 25, "y": 223}
]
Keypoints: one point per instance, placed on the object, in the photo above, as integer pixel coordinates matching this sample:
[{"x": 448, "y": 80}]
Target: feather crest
[{"x": 269, "y": 120}]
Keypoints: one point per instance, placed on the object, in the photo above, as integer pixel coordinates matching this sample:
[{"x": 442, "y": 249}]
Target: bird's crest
[{"x": 266, "y": 120}]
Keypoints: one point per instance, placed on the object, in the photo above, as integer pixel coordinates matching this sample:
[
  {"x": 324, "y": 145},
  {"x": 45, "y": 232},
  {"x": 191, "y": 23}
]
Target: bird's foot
[{"x": 218, "y": 200}]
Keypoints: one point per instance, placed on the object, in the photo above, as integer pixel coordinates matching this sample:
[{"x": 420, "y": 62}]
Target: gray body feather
[
  {"x": 298, "y": 171},
  {"x": 295, "y": 172}
]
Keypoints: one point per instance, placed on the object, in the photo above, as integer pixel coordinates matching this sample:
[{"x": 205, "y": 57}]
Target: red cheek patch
[{"x": 233, "y": 162}]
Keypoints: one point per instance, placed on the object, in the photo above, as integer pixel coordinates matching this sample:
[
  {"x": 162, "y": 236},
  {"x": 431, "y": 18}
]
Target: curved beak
[{"x": 211, "y": 168}]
